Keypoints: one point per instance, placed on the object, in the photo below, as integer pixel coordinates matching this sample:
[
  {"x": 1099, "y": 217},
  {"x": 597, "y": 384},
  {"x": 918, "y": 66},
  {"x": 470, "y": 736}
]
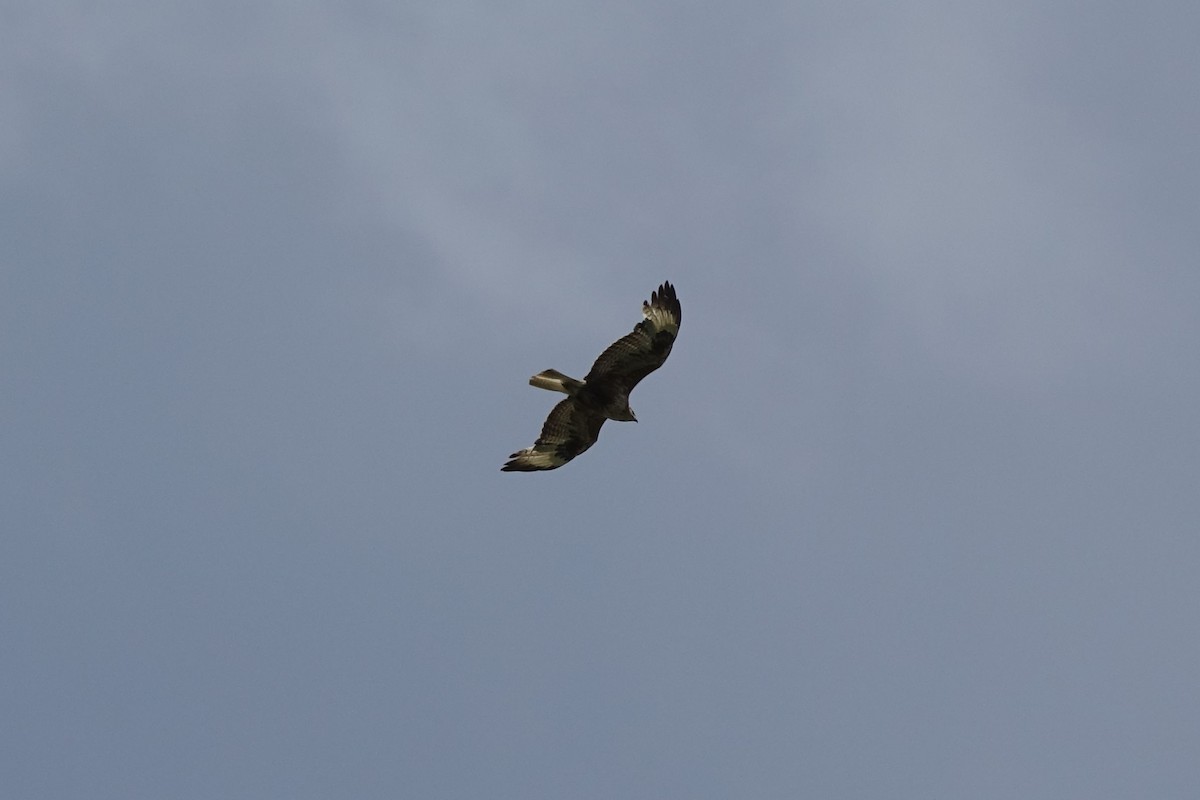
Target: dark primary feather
[
  {"x": 570, "y": 429},
  {"x": 635, "y": 355}
]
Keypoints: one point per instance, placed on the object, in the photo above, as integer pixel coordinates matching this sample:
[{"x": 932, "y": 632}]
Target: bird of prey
[{"x": 574, "y": 424}]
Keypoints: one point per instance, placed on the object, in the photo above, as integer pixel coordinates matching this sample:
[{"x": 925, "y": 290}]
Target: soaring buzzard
[{"x": 574, "y": 424}]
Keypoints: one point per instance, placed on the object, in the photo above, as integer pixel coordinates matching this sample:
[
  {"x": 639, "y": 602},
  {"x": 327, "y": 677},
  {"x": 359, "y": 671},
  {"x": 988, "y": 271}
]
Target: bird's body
[{"x": 574, "y": 424}]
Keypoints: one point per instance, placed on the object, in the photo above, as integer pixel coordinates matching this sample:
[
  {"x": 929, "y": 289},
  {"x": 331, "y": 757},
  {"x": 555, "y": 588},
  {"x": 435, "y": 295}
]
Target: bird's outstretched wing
[
  {"x": 635, "y": 355},
  {"x": 569, "y": 430}
]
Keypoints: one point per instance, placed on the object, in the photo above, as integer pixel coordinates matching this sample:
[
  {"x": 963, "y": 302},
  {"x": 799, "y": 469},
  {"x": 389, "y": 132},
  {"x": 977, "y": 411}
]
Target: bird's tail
[{"x": 555, "y": 381}]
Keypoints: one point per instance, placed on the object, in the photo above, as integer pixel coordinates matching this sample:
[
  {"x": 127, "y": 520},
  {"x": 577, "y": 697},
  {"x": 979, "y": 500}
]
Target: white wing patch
[
  {"x": 660, "y": 318},
  {"x": 540, "y": 459}
]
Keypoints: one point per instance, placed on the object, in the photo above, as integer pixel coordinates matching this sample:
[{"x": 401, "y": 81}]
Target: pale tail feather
[{"x": 555, "y": 381}]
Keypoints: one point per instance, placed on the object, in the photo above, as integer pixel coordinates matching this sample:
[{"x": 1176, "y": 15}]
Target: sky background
[{"x": 911, "y": 511}]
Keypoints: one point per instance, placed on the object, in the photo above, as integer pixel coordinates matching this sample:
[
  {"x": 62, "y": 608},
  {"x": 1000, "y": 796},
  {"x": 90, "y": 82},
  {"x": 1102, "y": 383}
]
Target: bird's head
[{"x": 627, "y": 415}]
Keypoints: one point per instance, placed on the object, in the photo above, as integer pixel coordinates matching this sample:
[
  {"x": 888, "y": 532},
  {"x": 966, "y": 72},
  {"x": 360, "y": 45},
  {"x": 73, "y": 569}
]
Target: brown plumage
[{"x": 574, "y": 424}]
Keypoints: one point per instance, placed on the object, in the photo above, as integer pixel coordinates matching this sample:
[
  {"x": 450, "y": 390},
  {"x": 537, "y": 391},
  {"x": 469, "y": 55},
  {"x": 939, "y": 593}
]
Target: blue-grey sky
[{"x": 911, "y": 511}]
